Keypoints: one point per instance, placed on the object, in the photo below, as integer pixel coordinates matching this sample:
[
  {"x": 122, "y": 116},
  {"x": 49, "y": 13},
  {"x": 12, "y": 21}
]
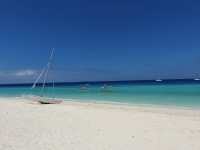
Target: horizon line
[{"x": 94, "y": 81}]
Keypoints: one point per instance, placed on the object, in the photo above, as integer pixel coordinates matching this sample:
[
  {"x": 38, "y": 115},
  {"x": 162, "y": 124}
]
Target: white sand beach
[{"x": 28, "y": 125}]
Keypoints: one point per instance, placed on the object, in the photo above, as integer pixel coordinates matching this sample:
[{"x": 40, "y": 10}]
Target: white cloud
[{"x": 24, "y": 73}]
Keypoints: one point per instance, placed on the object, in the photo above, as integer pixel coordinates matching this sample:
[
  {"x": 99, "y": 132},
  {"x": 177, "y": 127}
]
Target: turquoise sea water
[{"x": 184, "y": 93}]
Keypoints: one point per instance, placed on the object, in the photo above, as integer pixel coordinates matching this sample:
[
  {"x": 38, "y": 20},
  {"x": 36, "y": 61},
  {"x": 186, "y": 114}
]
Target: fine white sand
[{"x": 28, "y": 125}]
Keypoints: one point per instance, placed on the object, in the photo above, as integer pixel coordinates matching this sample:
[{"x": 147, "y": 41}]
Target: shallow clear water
[{"x": 169, "y": 92}]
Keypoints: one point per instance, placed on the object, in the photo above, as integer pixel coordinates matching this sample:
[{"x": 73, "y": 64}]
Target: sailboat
[
  {"x": 40, "y": 98},
  {"x": 197, "y": 78},
  {"x": 159, "y": 80},
  {"x": 84, "y": 88}
]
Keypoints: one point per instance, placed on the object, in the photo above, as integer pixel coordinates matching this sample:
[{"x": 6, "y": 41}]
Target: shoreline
[
  {"x": 120, "y": 103},
  {"x": 121, "y": 106}
]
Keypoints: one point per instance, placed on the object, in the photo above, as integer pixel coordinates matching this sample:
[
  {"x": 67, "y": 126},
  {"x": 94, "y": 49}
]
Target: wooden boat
[
  {"x": 84, "y": 88},
  {"x": 106, "y": 88}
]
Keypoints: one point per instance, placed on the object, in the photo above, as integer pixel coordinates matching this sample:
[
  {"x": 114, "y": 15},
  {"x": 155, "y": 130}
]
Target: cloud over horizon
[
  {"x": 143, "y": 71},
  {"x": 24, "y": 73},
  {"x": 28, "y": 75},
  {"x": 18, "y": 72}
]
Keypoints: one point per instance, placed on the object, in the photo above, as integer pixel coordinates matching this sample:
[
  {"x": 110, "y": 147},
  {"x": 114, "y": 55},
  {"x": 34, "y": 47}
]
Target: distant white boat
[
  {"x": 84, "y": 88},
  {"x": 106, "y": 88},
  {"x": 197, "y": 78},
  {"x": 158, "y": 80},
  {"x": 40, "y": 98}
]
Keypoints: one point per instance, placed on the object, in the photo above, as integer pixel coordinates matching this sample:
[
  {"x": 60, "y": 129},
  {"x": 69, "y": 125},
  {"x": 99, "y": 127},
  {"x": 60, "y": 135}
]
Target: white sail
[{"x": 158, "y": 78}]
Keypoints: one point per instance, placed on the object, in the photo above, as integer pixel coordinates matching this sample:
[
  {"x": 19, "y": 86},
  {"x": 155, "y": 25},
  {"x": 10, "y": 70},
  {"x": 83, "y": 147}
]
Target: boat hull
[
  {"x": 158, "y": 80},
  {"x": 83, "y": 90},
  {"x": 44, "y": 100},
  {"x": 106, "y": 90}
]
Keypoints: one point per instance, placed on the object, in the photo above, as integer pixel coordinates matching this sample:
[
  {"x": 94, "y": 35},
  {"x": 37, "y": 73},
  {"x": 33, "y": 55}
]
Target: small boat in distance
[
  {"x": 41, "y": 99},
  {"x": 158, "y": 80},
  {"x": 197, "y": 79},
  {"x": 84, "y": 88},
  {"x": 106, "y": 88}
]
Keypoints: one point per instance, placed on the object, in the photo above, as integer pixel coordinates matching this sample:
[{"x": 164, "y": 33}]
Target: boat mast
[
  {"x": 53, "y": 90},
  {"x": 47, "y": 73}
]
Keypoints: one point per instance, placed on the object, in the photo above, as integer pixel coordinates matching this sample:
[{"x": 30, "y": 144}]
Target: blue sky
[{"x": 99, "y": 40}]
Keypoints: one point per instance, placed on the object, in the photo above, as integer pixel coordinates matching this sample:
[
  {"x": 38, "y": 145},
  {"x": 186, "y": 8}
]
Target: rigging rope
[{"x": 39, "y": 76}]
